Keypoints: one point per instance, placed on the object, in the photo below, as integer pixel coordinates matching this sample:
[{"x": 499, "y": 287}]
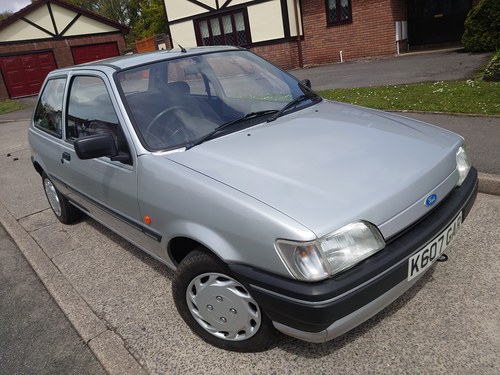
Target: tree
[
  {"x": 150, "y": 19},
  {"x": 6, "y": 14},
  {"x": 144, "y": 17},
  {"x": 482, "y": 27}
]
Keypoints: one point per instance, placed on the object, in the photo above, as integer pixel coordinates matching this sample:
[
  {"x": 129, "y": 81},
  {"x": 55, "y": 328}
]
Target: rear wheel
[
  {"x": 64, "y": 211},
  {"x": 217, "y": 307}
]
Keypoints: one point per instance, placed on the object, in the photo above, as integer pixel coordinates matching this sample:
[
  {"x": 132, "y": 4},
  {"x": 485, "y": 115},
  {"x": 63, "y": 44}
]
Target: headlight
[
  {"x": 329, "y": 255},
  {"x": 463, "y": 165}
]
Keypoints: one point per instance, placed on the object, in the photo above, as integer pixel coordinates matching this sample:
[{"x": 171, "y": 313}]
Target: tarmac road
[
  {"x": 481, "y": 134},
  {"x": 36, "y": 337}
]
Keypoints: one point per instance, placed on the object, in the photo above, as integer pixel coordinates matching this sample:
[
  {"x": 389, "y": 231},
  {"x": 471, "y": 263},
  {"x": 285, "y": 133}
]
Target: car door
[
  {"x": 45, "y": 135},
  {"x": 105, "y": 189}
]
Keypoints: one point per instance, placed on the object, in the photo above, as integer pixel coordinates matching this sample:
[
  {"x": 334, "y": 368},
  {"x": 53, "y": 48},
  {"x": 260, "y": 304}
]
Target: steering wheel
[{"x": 174, "y": 127}]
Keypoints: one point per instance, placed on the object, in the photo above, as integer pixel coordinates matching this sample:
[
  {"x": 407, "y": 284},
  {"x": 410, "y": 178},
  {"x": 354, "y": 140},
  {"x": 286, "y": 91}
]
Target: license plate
[{"x": 422, "y": 260}]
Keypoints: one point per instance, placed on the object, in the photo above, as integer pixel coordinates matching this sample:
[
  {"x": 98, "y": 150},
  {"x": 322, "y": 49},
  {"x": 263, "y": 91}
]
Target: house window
[
  {"x": 226, "y": 29},
  {"x": 338, "y": 11}
]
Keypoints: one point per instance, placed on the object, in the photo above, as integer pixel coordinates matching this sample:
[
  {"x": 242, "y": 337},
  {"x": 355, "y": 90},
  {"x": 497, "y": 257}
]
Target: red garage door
[
  {"x": 24, "y": 74},
  {"x": 83, "y": 54}
]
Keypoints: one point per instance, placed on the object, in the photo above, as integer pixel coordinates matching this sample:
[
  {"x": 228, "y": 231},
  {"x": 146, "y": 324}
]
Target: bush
[
  {"x": 492, "y": 71},
  {"x": 482, "y": 27}
]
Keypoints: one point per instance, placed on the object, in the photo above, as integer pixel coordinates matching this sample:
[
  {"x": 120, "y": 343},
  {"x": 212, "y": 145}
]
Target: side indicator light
[{"x": 147, "y": 220}]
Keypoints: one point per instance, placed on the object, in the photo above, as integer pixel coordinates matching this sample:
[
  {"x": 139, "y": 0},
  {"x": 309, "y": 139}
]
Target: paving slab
[{"x": 434, "y": 328}]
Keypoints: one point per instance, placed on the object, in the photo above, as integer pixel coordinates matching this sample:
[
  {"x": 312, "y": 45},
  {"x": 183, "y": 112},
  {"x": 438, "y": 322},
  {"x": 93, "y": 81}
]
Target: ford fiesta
[{"x": 278, "y": 210}]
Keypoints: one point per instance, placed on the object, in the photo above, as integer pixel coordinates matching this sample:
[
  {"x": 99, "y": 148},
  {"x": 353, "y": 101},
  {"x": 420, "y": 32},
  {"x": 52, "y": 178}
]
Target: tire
[
  {"x": 64, "y": 211},
  {"x": 217, "y": 307}
]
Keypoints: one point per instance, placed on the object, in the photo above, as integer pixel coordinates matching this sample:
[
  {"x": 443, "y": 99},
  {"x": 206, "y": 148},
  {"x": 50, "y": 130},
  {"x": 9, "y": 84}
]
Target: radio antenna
[{"x": 183, "y": 50}]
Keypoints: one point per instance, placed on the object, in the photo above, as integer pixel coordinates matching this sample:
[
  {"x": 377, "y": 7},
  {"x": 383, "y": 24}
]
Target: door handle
[{"x": 65, "y": 156}]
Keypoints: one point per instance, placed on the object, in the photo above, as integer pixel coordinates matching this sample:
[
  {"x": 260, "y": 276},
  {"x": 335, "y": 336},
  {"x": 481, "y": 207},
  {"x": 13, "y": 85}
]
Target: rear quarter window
[{"x": 48, "y": 112}]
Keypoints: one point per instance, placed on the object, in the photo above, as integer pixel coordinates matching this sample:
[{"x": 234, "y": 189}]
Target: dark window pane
[
  {"x": 205, "y": 34},
  {"x": 227, "y": 26},
  {"x": 228, "y": 29},
  {"x": 332, "y": 10},
  {"x": 344, "y": 9},
  {"x": 242, "y": 38},
  {"x": 339, "y": 11},
  {"x": 218, "y": 38},
  {"x": 241, "y": 33}
]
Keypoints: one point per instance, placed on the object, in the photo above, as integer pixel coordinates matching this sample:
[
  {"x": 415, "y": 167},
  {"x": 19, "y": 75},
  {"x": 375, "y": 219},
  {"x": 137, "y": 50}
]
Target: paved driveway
[
  {"x": 119, "y": 298},
  {"x": 447, "y": 324},
  {"x": 443, "y": 65}
]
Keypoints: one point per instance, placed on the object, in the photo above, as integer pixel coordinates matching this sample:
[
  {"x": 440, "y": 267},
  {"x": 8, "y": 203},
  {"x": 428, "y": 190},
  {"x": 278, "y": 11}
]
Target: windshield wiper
[
  {"x": 292, "y": 103},
  {"x": 237, "y": 120}
]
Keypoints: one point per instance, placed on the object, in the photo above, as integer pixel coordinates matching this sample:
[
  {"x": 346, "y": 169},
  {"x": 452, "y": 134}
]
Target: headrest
[{"x": 179, "y": 88}]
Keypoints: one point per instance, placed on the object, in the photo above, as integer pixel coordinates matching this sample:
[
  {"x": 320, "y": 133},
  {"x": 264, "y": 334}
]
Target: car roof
[{"x": 128, "y": 61}]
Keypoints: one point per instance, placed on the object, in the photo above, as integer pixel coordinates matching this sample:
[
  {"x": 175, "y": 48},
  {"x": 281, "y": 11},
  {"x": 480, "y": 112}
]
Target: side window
[
  {"x": 48, "y": 113},
  {"x": 90, "y": 111}
]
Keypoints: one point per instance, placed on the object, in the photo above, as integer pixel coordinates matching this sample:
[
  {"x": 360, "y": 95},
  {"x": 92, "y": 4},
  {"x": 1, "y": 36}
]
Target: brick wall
[
  {"x": 60, "y": 48},
  {"x": 370, "y": 34},
  {"x": 284, "y": 54}
]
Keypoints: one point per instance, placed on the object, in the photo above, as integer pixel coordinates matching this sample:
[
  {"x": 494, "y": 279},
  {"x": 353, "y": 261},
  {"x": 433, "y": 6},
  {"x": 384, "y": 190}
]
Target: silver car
[{"x": 279, "y": 210}]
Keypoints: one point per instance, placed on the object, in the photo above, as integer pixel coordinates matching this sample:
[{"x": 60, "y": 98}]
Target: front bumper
[{"x": 321, "y": 311}]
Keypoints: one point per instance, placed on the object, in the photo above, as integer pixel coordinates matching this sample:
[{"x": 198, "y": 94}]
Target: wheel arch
[
  {"x": 181, "y": 246},
  {"x": 38, "y": 167}
]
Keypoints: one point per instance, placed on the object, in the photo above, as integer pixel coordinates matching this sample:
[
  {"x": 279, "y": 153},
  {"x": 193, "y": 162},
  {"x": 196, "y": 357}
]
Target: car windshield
[{"x": 176, "y": 103}]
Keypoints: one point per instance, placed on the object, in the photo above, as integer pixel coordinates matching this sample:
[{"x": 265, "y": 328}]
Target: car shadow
[
  {"x": 139, "y": 254},
  {"x": 289, "y": 344},
  {"x": 316, "y": 351}
]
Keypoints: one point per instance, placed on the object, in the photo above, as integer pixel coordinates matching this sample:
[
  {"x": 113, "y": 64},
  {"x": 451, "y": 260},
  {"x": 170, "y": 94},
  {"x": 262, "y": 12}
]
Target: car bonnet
[{"x": 332, "y": 164}]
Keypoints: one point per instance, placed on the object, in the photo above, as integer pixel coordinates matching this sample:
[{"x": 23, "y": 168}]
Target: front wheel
[
  {"x": 217, "y": 307},
  {"x": 64, "y": 211}
]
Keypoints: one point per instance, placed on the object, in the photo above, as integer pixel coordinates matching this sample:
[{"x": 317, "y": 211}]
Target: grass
[
  {"x": 10, "y": 106},
  {"x": 471, "y": 97}
]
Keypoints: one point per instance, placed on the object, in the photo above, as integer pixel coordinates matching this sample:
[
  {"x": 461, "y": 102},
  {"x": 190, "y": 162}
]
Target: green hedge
[
  {"x": 492, "y": 71},
  {"x": 482, "y": 27}
]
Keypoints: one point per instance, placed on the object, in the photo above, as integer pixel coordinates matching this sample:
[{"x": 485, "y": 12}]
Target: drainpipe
[{"x": 299, "y": 42}]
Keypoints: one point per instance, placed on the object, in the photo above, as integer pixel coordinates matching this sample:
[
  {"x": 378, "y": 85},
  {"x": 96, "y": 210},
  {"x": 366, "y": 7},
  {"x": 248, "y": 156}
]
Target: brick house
[
  {"x": 330, "y": 30},
  {"x": 50, "y": 34}
]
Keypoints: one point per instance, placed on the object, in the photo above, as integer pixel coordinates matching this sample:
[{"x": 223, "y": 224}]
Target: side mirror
[
  {"x": 97, "y": 145},
  {"x": 306, "y": 82}
]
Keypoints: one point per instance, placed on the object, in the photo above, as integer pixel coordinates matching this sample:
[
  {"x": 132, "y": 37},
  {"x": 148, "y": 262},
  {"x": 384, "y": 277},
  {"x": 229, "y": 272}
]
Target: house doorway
[{"x": 436, "y": 21}]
